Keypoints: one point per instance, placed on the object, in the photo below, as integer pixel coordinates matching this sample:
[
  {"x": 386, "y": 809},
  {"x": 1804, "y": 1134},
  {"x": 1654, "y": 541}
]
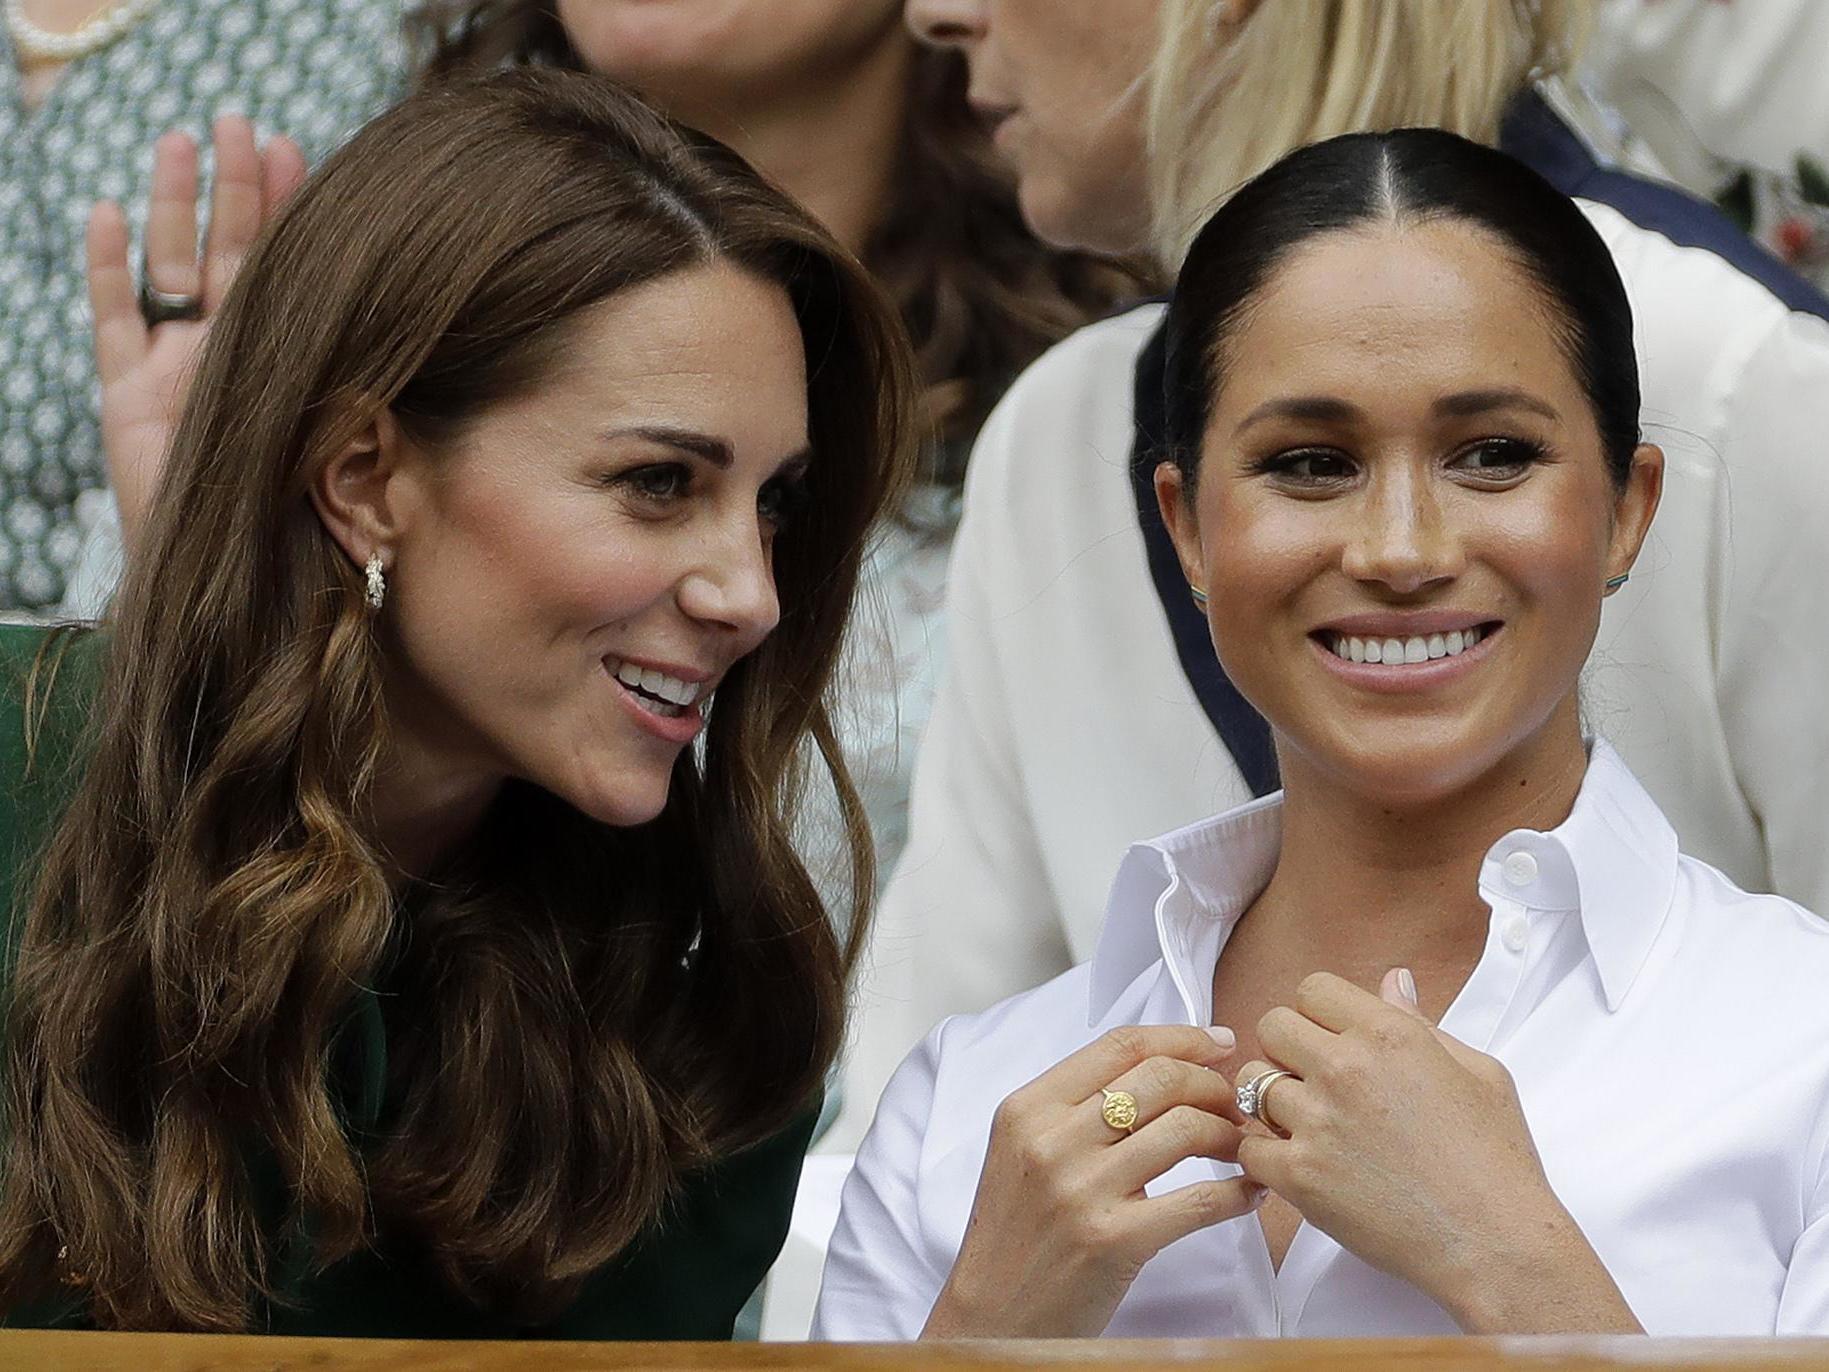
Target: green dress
[{"x": 685, "y": 1279}]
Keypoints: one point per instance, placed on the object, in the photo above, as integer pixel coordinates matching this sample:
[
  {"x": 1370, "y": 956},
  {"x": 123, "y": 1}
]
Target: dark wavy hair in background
[
  {"x": 980, "y": 295},
  {"x": 580, "y": 1015}
]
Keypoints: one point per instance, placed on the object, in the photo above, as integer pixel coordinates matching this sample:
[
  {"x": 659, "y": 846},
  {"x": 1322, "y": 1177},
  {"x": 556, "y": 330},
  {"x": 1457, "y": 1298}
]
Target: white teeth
[
  {"x": 670, "y": 689},
  {"x": 1404, "y": 651}
]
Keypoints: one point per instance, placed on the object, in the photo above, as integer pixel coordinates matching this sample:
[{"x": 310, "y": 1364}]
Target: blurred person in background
[
  {"x": 86, "y": 86},
  {"x": 405, "y": 933},
  {"x": 1068, "y": 618}
]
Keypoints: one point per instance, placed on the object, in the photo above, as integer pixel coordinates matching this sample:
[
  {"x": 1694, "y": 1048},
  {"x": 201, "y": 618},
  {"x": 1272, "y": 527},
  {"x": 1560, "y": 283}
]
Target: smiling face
[
  {"x": 571, "y": 581},
  {"x": 1403, "y": 515},
  {"x": 1062, "y": 88}
]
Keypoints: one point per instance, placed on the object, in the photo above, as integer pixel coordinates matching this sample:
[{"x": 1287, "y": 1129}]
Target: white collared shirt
[{"x": 1668, "y": 1034}]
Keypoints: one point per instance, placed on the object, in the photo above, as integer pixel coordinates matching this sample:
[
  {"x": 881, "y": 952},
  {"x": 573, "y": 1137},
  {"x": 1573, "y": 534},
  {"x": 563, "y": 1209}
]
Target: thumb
[{"x": 1399, "y": 988}]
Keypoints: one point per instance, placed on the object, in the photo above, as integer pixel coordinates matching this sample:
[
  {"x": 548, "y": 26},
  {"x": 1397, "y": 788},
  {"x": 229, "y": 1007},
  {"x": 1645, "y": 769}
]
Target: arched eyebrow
[
  {"x": 1328, "y": 409},
  {"x": 714, "y": 450}
]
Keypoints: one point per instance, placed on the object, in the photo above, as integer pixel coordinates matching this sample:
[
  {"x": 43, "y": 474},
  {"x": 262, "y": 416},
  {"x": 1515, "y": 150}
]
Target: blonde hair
[{"x": 1228, "y": 99}]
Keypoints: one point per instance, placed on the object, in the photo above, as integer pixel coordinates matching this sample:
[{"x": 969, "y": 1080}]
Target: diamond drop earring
[{"x": 377, "y": 583}]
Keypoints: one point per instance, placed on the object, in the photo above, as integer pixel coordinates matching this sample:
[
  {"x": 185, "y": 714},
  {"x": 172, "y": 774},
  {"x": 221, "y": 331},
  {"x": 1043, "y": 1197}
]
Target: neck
[
  {"x": 1366, "y": 881},
  {"x": 424, "y": 807},
  {"x": 831, "y": 145}
]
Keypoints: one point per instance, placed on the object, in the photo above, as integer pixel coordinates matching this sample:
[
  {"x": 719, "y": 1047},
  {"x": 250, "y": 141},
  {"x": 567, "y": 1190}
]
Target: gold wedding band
[
  {"x": 1119, "y": 1110},
  {"x": 1251, "y": 1095}
]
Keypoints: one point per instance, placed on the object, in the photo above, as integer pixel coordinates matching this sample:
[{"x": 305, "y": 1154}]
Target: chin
[
  {"x": 1411, "y": 767},
  {"x": 621, "y": 801}
]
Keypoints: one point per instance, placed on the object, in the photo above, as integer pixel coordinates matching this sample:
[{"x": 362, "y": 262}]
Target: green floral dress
[{"x": 313, "y": 69}]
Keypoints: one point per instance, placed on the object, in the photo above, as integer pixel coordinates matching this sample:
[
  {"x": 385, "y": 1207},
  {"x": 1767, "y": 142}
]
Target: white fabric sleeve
[
  {"x": 99, "y": 560},
  {"x": 1803, "y": 1305},
  {"x": 968, "y": 917},
  {"x": 1774, "y": 656},
  {"x": 878, "y": 1285}
]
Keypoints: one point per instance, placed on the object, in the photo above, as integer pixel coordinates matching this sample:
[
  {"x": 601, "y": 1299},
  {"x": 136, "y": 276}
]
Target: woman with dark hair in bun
[{"x": 1447, "y": 1035}]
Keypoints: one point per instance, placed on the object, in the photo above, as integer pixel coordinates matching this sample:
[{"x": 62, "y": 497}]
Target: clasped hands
[{"x": 1404, "y": 1145}]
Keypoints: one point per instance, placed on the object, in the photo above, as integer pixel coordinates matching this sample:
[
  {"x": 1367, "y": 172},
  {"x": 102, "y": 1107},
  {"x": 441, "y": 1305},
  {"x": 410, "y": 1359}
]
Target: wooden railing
[{"x": 68, "y": 1352}]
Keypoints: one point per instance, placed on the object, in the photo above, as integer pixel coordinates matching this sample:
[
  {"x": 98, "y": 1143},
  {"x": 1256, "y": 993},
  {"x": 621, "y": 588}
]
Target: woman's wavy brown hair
[
  {"x": 579, "y": 1015},
  {"x": 980, "y": 295}
]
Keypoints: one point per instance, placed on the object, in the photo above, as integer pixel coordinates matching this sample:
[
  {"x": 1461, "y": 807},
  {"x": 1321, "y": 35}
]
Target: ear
[
  {"x": 357, "y": 494},
  {"x": 1175, "y": 500},
  {"x": 1635, "y": 506}
]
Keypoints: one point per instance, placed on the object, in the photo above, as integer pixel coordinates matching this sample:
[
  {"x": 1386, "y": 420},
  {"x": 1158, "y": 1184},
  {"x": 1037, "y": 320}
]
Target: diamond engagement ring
[
  {"x": 1251, "y": 1095},
  {"x": 1119, "y": 1110}
]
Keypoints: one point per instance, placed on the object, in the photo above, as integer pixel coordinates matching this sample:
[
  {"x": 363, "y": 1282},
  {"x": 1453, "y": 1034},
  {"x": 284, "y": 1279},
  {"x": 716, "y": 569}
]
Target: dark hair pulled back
[{"x": 1400, "y": 177}]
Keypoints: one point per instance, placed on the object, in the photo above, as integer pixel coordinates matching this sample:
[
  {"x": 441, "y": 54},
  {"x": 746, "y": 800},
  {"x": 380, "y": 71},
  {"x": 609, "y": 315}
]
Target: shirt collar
[{"x": 1176, "y": 898}]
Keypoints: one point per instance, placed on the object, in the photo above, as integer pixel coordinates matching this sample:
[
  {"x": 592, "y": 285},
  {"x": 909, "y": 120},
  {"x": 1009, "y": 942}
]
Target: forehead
[
  {"x": 1385, "y": 312},
  {"x": 709, "y": 345}
]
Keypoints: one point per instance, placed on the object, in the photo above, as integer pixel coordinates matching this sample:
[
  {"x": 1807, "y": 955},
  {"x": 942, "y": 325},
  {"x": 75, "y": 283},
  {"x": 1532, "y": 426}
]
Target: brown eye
[
  {"x": 658, "y": 482},
  {"x": 1307, "y": 467},
  {"x": 1498, "y": 457}
]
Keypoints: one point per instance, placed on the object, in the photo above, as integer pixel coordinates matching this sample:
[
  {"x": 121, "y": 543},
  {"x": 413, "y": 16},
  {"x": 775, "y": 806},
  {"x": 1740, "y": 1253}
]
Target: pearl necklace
[{"x": 41, "y": 45}]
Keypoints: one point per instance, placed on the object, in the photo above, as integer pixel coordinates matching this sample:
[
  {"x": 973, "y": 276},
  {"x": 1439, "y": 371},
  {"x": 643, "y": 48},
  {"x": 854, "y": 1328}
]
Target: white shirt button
[
  {"x": 1520, "y": 869},
  {"x": 1516, "y": 931}
]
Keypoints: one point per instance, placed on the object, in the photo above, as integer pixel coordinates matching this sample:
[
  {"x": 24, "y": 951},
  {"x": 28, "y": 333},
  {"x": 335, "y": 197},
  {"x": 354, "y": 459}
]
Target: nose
[
  {"x": 1402, "y": 538},
  {"x": 733, "y": 585},
  {"x": 946, "y": 23}
]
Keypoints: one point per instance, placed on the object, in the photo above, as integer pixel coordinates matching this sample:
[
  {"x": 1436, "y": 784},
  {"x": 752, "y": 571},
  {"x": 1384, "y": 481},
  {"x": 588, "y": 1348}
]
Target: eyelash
[
  {"x": 664, "y": 483},
  {"x": 1521, "y": 453}
]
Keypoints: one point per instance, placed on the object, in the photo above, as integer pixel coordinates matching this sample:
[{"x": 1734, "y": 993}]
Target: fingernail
[
  {"x": 1259, "y": 1194},
  {"x": 1223, "y": 1036},
  {"x": 1406, "y": 985}
]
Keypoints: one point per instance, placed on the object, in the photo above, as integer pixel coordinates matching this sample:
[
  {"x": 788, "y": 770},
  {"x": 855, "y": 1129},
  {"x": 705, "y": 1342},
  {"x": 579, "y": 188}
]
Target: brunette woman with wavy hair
[{"x": 401, "y": 944}]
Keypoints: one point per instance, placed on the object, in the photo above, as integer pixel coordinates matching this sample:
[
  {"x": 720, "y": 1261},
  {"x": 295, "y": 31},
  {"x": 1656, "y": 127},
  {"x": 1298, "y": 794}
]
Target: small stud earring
[
  {"x": 377, "y": 583},
  {"x": 1615, "y": 582},
  {"x": 1200, "y": 596}
]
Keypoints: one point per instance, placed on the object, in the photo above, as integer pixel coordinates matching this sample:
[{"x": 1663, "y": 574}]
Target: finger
[
  {"x": 171, "y": 217},
  {"x": 1399, "y": 989},
  {"x": 120, "y": 330},
  {"x": 1101, "y": 1062},
  {"x": 1293, "y": 1041},
  {"x": 282, "y": 171},
  {"x": 1267, "y": 1160},
  {"x": 1287, "y": 1103},
  {"x": 1160, "y": 1220},
  {"x": 1158, "y": 1085},
  {"x": 1172, "y": 1137},
  {"x": 1335, "y": 1003},
  {"x": 235, "y": 206}
]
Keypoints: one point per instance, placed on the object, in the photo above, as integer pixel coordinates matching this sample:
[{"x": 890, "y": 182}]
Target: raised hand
[
  {"x": 145, "y": 367},
  {"x": 1061, "y": 1226},
  {"x": 1411, "y": 1149}
]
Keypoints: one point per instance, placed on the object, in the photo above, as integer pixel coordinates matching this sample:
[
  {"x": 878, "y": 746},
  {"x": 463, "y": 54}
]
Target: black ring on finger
[{"x": 161, "y": 307}]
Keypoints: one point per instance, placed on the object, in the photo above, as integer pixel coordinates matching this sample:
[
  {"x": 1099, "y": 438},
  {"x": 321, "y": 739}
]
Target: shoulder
[
  {"x": 1708, "y": 319},
  {"x": 1080, "y": 389},
  {"x": 1051, "y": 467}
]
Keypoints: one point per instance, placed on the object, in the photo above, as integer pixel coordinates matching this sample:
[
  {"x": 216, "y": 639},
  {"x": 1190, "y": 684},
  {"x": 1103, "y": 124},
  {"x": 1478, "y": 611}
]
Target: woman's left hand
[{"x": 1411, "y": 1149}]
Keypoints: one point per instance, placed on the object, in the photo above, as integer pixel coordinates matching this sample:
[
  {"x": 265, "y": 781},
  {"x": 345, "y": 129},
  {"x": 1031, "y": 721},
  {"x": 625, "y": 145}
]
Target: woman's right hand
[
  {"x": 1061, "y": 1226},
  {"x": 145, "y": 368}
]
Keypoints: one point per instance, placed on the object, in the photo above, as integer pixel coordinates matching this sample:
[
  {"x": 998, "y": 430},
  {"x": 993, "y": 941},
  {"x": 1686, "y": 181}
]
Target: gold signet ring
[{"x": 1119, "y": 1110}]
